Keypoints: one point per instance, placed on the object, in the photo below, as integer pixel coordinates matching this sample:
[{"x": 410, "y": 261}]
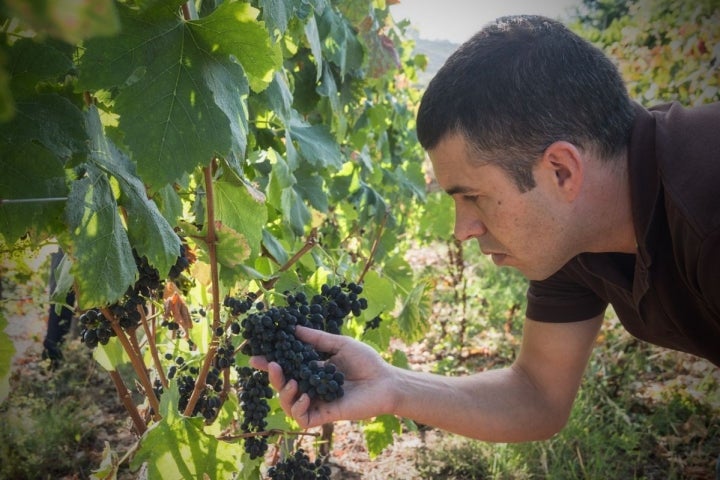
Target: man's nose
[{"x": 467, "y": 224}]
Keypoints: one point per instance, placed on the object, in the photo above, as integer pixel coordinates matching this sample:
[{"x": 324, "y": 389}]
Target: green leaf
[
  {"x": 31, "y": 172},
  {"x": 233, "y": 30},
  {"x": 294, "y": 211},
  {"x": 313, "y": 37},
  {"x": 69, "y": 20},
  {"x": 400, "y": 359},
  {"x": 7, "y": 350},
  {"x": 64, "y": 280},
  {"x": 103, "y": 263},
  {"x": 274, "y": 247},
  {"x": 340, "y": 44},
  {"x": 150, "y": 234},
  {"x": 379, "y": 293},
  {"x": 182, "y": 85},
  {"x": 111, "y": 356},
  {"x": 178, "y": 447},
  {"x": 277, "y": 14},
  {"x": 169, "y": 203},
  {"x": 49, "y": 120},
  {"x": 310, "y": 186},
  {"x": 31, "y": 62},
  {"x": 413, "y": 317},
  {"x": 279, "y": 98},
  {"x": 316, "y": 143},
  {"x": 379, "y": 433},
  {"x": 241, "y": 211},
  {"x": 438, "y": 217}
]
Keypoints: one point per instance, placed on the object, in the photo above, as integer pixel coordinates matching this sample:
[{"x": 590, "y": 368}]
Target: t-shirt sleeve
[{"x": 561, "y": 299}]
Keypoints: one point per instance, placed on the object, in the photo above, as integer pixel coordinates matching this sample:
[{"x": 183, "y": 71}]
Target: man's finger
[
  {"x": 275, "y": 375},
  {"x": 258, "y": 362},
  {"x": 322, "y": 341},
  {"x": 300, "y": 410}
]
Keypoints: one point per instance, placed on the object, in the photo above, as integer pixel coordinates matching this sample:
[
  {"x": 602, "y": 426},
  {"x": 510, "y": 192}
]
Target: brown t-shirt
[{"x": 669, "y": 293}]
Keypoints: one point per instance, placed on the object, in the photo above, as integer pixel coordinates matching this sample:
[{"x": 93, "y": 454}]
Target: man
[{"x": 597, "y": 201}]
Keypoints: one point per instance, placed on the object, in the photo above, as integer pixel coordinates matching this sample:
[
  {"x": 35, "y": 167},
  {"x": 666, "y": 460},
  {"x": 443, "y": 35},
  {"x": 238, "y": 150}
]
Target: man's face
[{"x": 517, "y": 229}]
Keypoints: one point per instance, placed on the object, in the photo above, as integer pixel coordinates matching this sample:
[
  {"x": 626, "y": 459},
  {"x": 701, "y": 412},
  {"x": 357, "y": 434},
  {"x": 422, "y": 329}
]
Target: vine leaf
[
  {"x": 50, "y": 120},
  {"x": 150, "y": 234},
  {"x": 103, "y": 263},
  {"x": 294, "y": 210},
  {"x": 317, "y": 145},
  {"x": 379, "y": 433},
  {"x": 241, "y": 211},
  {"x": 111, "y": 356},
  {"x": 30, "y": 171},
  {"x": 413, "y": 316},
  {"x": 341, "y": 44},
  {"x": 379, "y": 293},
  {"x": 277, "y": 14},
  {"x": 313, "y": 37},
  {"x": 182, "y": 85},
  {"x": 178, "y": 447},
  {"x": 31, "y": 62}
]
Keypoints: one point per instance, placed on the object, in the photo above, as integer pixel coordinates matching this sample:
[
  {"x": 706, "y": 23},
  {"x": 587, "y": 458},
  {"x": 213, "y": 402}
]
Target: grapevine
[{"x": 132, "y": 190}]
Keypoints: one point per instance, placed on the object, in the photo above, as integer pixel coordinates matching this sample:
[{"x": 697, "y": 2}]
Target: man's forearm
[{"x": 498, "y": 405}]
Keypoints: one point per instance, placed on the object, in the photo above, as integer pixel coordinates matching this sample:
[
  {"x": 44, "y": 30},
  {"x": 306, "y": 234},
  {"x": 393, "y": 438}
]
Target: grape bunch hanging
[
  {"x": 269, "y": 331},
  {"x": 96, "y": 328}
]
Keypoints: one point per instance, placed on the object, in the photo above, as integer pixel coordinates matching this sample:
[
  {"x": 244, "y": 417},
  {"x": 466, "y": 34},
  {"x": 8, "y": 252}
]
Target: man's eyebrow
[{"x": 458, "y": 189}]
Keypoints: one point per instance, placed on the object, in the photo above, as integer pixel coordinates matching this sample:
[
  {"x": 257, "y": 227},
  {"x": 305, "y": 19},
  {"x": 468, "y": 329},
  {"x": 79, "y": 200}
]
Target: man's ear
[{"x": 563, "y": 163}]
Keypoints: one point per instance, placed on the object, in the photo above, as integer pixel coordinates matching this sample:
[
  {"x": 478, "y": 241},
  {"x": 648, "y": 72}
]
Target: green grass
[{"x": 50, "y": 419}]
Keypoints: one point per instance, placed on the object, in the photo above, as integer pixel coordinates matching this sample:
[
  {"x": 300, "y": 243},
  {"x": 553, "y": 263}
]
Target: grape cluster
[
  {"x": 209, "y": 402},
  {"x": 225, "y": 356},
  {"x": 149, "y": 280},
  {"x": 271, "y": 334},
  {"x": 373, "y": 323},
  {"x": 321, "y": 381},
  {"x": 239, "y": 306},
  {"x": 255, "y": 390},
  {"x": 127, "y": 311},
  {"x": 328, "y": 310},
  {"x": 181, "y": 264},
  {"x": 95, "y": 328},
  {"x": 299, "y": 467}
]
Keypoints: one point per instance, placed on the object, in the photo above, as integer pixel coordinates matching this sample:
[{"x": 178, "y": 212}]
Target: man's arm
[{"x": 529, "y": 400}]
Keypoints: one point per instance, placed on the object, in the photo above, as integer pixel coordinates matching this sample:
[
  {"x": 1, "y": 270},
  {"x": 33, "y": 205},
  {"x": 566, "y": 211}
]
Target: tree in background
[{"x": 666, "y": 49}]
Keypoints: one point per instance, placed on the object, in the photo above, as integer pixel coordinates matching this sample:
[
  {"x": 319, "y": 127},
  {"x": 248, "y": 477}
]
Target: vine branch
[
  {"x": 211, "y": 240},
  {"x": 127, "y": 401},
  {"x": 136, "y": 360},
  {"x": 376, "y": 242}
]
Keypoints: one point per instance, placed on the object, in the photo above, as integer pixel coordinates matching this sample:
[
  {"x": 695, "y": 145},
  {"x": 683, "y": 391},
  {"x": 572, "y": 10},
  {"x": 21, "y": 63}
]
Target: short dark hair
[{"x": 519, "y": 85}]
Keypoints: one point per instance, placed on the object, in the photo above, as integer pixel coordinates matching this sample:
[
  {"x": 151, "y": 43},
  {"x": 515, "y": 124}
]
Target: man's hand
[{"x": 368, "y": 383}]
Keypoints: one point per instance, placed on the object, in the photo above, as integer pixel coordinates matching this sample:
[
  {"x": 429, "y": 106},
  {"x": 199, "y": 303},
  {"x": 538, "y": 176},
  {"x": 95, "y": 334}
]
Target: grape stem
[
  {"x": 373, "y": 250},
  {"x": 211, "y": 240},
  {"x": 137, "y": 362},
  {"x": 266, "y": 433},
  {"x": 127, "y": 401},
  {"x": 310, "y": 243},
  {"x": 153, "y": 347}
]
